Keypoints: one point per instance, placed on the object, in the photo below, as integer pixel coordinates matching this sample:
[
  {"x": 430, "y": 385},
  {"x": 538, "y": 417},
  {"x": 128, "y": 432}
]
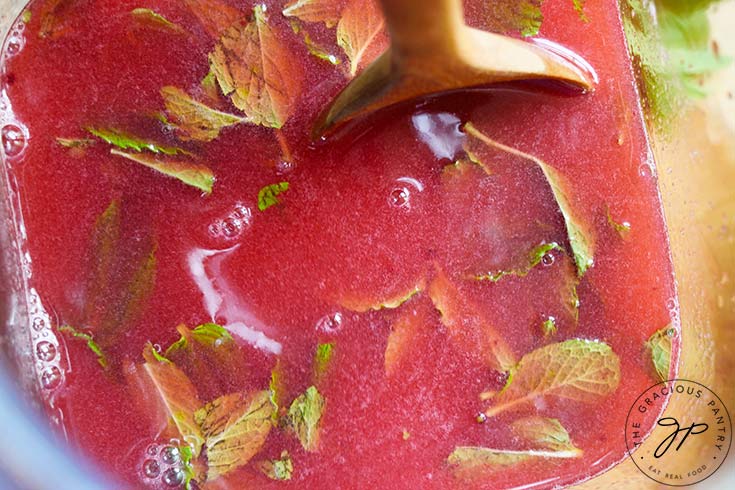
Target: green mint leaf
[
  {"x": 579, "y": 233},
  {"x": 313, "y": 47},
  {"x": 276, "y": 388},
  {"x": 303, "y": 418},
  {"x": 545, "y": 434},
  {"x": 235, "y": 428},
  {"x": 322, "y": 358},
  {"x": 194, "y": 120},
  {"x": 672, "y": 52},
  {"x": 548, "y": 327},
  {"x": 178, "y": 395},
  {"x": 208, "y": 335},
  {"x": 125, "y": 141},
  {"x": 120, "y": 280},
  {"x": 268, "y": 195},
  {"x": 466, "y": 325},
  {"x": 89, "y": 339},
  {"x": 623, "y": 228},
  {"x": 151, "y": 18},
  {"x": 579, "y": 370},
  {"x": 579, "y": 7},
  {"x": 255, "y": 69},
  {"x": 404, "y": 332},
  {"x": 533, "y": 258},
  {"x": 362, "y": 304},
  {"x": 189, "y": 173},
  {"x": 361, "y": 33},
  {"x": 278, "y": 469},
  {"x": 659, "y": 346},
  {"x": 523, "y": 16},
  {"x": 468, "y": 461},
  {"x": 327, "y": 11},
  {"x": 75, "y": 142}
]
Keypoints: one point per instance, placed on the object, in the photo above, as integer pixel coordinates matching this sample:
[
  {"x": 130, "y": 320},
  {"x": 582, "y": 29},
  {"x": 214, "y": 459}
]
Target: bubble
[
  {"x": 173, "y": 477},
  {"x": 14, "y": 45},
  {"x": 285, "y": 167},
  {"x": 481, "y": 418},
  {"x": 400, "y": 197},
  {"x": 152, "y": 450},
  {"x": 170, "y": 455},
  {"x": 51, "y": 378},
  {"x": 13, "y": 140},
  {"x": 151, "y": 468},
  {"x": 548, "y": 259},
  {"x": 39, "y": 324},
  {"x": 330, "y": 323},
  {"x": 232, "y": 225},
  {"x": 46, "y": 351},
  {"x": 645, "y": 170},
  {"x": 671, "y": 332}
]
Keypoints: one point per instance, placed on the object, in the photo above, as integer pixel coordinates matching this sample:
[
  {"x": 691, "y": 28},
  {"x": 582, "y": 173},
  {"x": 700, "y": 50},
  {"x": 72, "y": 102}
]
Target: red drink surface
[{"x": 369, "y": 214}]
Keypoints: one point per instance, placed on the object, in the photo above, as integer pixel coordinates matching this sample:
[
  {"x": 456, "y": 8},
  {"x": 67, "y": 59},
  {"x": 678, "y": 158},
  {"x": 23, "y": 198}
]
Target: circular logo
[{"x": 678, "y": 432}]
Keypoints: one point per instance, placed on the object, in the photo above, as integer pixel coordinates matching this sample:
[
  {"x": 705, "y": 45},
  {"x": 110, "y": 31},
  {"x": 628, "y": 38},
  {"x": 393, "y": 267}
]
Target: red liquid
[{"x": 367, "y": 215}]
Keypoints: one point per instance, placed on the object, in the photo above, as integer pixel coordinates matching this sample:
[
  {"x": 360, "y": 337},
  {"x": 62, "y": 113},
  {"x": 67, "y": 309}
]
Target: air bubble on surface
[
  {"x": 233, "y": 224},
  {"x": 173, "y": 477},
  {"x": 285, "y": 167},
  {"x": 14, "y": 140},
  {"x": 330, "y": 323},
  {"x": 400, "y": 197},
  {"x": 51, "y": 378},
  {"x": 46, "y": 351},
  {"x": 14, "y": 44},
  {"x": 151, "y": 468},
  {"x": 170, "y": 455},
  {"x": 548, "y": 259}
]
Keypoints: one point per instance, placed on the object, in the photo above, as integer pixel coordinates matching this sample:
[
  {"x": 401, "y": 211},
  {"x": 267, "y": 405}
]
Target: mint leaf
[
  {"x": 178, "y": 395},
  {"x": 361, "y": 33},
  {"x": 659, "y": 346},
  {"x": 189, "y": 173},
  {"x": 304, "y": 416},
  {"x": 548, "y": 327},
  {"x": 194, "y": 120},
  {"x": 208, "y": 335},
  {"x": 327, "y": 11},
  {"x": 579, "y": 7},
  {"x": 533, "y": 258},
  {"x": 523, "y": 16},
  {"x": 75, "y": 142},
  {"x": 122, "y": 276},
  {"x": 466, "y": 325},
  {"x": 268, "y": 195},
  {"x": 126, "y": 141},
  {"x": 153, "y": 19},
  {"x": 623, "y": 228},
  {"x": 89, "y": 339},
  {"x": 255, "y": 69},
  {"x": 402, "y": 338},
  {"x": 545, "y": 434},
  {"x": 322, "y": 358},
  {"x": 278, "y": 469},
  {"x": 235, "y": 428},
  {"x": 579, "y": 233},
  {"x": 579, "y": 370},
  {"x": 314, "y": 48},
  {"x": 362, "y": 304},
  {"x": 468, "y": 461}
]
